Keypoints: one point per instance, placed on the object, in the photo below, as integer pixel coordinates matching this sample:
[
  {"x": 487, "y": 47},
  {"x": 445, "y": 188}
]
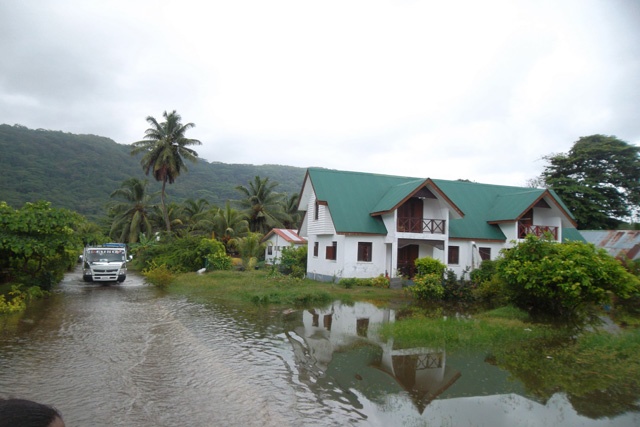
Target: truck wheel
[{"x": 121, "y": 279}]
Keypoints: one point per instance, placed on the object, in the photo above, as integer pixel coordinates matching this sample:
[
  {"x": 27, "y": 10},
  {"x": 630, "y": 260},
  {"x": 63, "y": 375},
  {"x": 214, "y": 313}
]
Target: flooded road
[{"x": 126, "y": 355}]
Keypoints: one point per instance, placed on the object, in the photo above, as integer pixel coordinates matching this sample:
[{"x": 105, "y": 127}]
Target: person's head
[{"x": 26, "y": 413}]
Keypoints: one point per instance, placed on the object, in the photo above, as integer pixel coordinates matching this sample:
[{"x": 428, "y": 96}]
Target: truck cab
[{"x": 105, "y": 263}]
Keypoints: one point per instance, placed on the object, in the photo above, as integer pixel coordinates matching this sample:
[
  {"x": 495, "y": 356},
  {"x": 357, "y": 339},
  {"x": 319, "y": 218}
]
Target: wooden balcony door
[{"x": 410, "y": 215}]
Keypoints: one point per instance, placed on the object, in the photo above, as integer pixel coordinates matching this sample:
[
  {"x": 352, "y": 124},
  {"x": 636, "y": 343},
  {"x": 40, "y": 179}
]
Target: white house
[
  {"x": 276, "y": 240},
  {"x": 364, "y": 225}
]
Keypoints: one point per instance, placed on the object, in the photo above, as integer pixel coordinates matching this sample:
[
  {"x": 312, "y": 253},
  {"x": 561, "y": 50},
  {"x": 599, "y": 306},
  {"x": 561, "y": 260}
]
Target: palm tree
[
  {"x": 229, "y": 224},
  {"x": 132, "y": 215},
  {"x": 196, "y": 215},
  {"x": 164, "y": 147},
  {"x": 262, "y": 205},
  {"x": 290, "y": 207},
  {"x": 250, "y": 249},
  {"x": 172, "y": 213}
]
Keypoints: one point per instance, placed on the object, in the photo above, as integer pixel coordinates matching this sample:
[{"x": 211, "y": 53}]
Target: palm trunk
[{"x": 165, "y": 215}]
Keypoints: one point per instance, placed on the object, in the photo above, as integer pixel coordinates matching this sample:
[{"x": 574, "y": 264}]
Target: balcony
[
  {"x": 421, "y": 225},
  {"x": 537, "y": 230}
]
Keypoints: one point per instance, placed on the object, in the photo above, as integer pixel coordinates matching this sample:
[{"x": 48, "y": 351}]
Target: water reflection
[
  {"x": 339, "y": 354},
  {"x": 127, "y": 355}
]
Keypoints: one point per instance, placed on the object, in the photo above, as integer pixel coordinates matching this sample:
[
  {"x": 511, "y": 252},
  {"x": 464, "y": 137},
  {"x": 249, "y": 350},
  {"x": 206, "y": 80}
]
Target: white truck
[{"x": 105, "y": 263}]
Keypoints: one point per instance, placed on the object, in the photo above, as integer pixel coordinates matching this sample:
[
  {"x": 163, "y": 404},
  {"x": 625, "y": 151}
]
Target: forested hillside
[{"x": 79, "y": 172}]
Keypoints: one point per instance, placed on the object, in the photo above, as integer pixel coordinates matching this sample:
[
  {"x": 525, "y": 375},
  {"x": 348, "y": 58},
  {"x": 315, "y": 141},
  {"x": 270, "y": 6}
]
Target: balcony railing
[
  {"x": 421, "y": 225},
  {"x": 537, "y": 230}
]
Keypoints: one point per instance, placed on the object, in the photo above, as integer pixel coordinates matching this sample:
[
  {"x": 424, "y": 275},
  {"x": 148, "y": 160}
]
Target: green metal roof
[
  {"x": 396, "y": 193},
  {"x": 352, "y": 198}
]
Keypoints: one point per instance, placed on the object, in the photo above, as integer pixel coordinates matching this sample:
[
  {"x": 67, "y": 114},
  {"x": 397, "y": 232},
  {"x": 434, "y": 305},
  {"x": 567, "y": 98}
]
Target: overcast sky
[{"x": 477, "y": 90}]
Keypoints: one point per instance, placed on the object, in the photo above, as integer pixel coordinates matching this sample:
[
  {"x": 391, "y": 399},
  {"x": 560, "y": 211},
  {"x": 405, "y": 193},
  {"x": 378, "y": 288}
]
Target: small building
[
  {"x": 618, "y": 243},
  {"x": 276, "y": 240},
  {"x": 364, "y": 225}
]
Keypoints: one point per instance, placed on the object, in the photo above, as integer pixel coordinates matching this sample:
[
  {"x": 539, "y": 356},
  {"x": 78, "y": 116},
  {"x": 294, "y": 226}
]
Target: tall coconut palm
[
  {"x": 164, "y": 147},
  {"x": 262, "y": 205},
  {"x": 132, "y": 215}
]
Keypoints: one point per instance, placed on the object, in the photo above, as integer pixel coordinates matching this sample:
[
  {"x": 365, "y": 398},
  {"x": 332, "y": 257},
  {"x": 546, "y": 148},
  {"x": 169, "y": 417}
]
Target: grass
[{"x": 260, "y": 288}]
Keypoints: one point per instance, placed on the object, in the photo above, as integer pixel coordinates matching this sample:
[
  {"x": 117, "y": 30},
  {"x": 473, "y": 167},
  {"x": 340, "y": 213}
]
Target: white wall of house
[
  {"x": 363, "y": 269},
  {"x": 324, "y": 223},
  {"x": 319, "y": 267},
  {"x": 273, "y": 250},
  {"x": 469, "y": 257},
  {"x": 510, "y": 230},
  {"x": 549, "y": 217}
]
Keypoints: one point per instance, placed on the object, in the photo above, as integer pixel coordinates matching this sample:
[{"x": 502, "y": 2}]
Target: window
[
  {"x": 332, "y": 251},
  {"x": 454, "y": 255},
  {"x": 269, "y": 250},
  {"x": 316, "y": 245},
  {"x": 316, "y": 208},
  {"x": 364, "y": 251},
  {"x": 485, "y": 253}
]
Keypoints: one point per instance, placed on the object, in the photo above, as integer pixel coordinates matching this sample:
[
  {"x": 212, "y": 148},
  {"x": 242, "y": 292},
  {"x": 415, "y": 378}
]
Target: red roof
[{"x": 289, "y": 235}]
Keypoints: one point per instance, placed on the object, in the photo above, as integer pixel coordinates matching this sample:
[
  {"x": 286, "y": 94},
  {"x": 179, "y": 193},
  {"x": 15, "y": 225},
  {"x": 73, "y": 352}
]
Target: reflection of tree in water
[
  {"x": 606, "y": 403},
  {"x": 599, "y": 381}
]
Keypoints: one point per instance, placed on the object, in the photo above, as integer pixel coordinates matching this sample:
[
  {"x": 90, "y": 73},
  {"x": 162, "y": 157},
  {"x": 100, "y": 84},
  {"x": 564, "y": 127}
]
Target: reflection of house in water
[{"x": 422, "y": 372}]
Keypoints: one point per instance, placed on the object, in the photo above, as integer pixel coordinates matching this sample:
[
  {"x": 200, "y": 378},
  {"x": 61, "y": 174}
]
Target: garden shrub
[
  {"x": 485, "y": 272},
  {"x": 493, "y": 292},
  {"x": 428, "y": 281},
  {"x": 428, "y": 265},
  {"x": 159, "y": 275},
  {"x": 380, "y": 281},
  {"x": 457, "y": 289},
  {"x": 219, "y": 261},
  {"x": 427, "y": 287},
  {"x": 545, "y": 277},
  {"x": 293, "y": 261}
]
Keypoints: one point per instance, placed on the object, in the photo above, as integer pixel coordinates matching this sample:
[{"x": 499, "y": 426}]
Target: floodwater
[{"x": 127, "y": 355}]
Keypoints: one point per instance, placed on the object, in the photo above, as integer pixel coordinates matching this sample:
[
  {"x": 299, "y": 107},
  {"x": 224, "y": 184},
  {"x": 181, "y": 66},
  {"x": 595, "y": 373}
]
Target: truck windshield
[{"x": 105, "y": 256}]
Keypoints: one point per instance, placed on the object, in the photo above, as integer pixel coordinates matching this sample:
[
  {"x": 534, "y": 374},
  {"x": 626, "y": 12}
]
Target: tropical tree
[
  {"x": 165, "y": 146},
  {"x": 293, "y": 215},
  {"x": 250, "y": 248},
  {"x": 229, "y": 224},
  {"x": 196, "y": 216},
  {"x": 132, "y": 214},
  {"x": 172, "y": 213},
  {"x": 37, "y": 243},
  {"x": 565, "y": 280},
  {"x": 262, "y": 205},
  {"x": 598, "y": 179}
]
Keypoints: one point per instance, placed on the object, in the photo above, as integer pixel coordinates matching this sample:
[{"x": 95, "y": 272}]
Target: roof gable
[{"x": 485, "y": 205}]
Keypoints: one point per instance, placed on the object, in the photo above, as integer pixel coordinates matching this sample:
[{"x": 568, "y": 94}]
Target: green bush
[
  {"x": 457, "y": 289},
  {"x": 293, "y": 261},
  {"x": 485, "y": 272},
  {"x": 180, "y": 255},
  {"x": 219, "y": 261},
  {"x": 427, "y": 287},
  {"x": 428, "y": 265},
  {"x": 159, "y": 275},
  {"x": 493, "y": 292},
  {"x": 545, "y": 277},
  {"x": 380, "y": 281}
]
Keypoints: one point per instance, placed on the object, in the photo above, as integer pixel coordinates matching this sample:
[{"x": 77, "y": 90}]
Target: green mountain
[{"x": 79, "y": 172}]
